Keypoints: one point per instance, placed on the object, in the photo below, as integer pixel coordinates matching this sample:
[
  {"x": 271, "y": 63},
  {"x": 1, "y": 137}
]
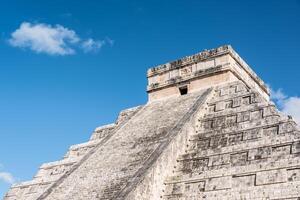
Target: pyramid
[{"x": 208, "y": 132}]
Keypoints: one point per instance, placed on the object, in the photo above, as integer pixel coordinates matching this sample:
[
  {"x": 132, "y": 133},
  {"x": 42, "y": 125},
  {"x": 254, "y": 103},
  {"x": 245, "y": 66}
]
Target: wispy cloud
[
  {"x": 92, "y": 45},
  {"x": 289, "y": 105},
  {"x": 7, "y": 177},
  {"x": 52, "y": 40}
]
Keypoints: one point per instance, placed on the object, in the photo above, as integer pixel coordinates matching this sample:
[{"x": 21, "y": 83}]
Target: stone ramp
[{"x": 114, "y": 168}]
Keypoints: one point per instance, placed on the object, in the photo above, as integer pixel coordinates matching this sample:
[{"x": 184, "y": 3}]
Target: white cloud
[
  {"x": 43, "y": 38},
  {"x": 92, "y": 45},
  {"x": 288, "y": 105},
  {"x": 7, "y": 177},
  {"x": 52, "y": 40}
]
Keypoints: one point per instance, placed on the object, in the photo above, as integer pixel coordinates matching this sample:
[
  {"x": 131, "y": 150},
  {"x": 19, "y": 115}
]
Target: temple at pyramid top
[{"x": 202, "y": 70}]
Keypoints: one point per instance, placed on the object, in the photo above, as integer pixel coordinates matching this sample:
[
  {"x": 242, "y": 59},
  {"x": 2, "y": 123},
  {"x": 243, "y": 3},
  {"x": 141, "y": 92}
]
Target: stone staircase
[
  {"x": 243, "y": 148},
  {"x": 49, "y": 173}
]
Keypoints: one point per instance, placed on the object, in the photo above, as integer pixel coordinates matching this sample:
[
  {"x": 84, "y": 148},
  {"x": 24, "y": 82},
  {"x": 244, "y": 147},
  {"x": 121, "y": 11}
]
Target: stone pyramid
[{"x": 208, "y": 131}]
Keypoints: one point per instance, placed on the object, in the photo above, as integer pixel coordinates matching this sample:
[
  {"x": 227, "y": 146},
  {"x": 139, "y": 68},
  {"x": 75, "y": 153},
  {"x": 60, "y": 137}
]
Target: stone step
[
  {"x": 54, "y": 170},
  {"x": 242, "y": 154},
  {"x": 290, "y": 162},
  {"x": 212, "y": 127},
  {"x": 220, "y": 190},
  {"x": 82, "y": 149},
  {"x": 102, "y": 131},
  {"x": 237, "y": 102},
  {"x": 265, "y": 108},
  {"x": 27, "y": 190},
  {"x": 200, "y": 142}
]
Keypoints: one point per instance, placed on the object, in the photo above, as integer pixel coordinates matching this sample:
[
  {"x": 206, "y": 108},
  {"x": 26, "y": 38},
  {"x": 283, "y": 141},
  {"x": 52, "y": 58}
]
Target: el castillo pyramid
[{"x": 208, "y": 132}]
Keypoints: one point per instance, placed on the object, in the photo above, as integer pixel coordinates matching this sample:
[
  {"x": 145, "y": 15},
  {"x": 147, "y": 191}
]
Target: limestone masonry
[{"x": 207, "y": 132}]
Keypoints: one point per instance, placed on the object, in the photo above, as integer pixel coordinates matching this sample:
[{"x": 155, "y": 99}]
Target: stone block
[
  {"x": 286, "y": 127},
  {"x": 212, "y": 108},
  {"x": 243, "y": 116},
  {"x": 218, "y": 183},
  {"x": 271, "y": 177},
  {"x": 241, "y": 88},
  {"x": 218, "y": 141},
  {"x": 252, "y": 134},
  {"x": 228, "y": 104},
  {"x": 174, "y": 188},
  {"x": 216, "y": 160},
  {"x": 231, "y": 120},
  {"x": 293, "y": 174},
  {"x": 246, "y": 100},
  {"x": 235, "y": 138},
  {"x": 256, "y": 115},
  {"x": 224, "y": 91},
  {"x": 200, "y": 144},
  {"x": 236, "y": 102},
  {"x": 280, "y": 151},
  {"x": 219, "y": 122},
  {"x": 238, "y": 159},
  {"x": 269, "y": 111},
  {"x": 296, "y": 147},
  {"x": 259, "y": 153},
  {"x": 243, "y": 181},
  {"x": 220, "y": 106},
  {"x": 232, "y": 90},
  {"x": 194, "y": 189},
  {"x": 199, "y": 164},
  {"x": 270, "y": 131},
  {"x": 207, "y": 124}
]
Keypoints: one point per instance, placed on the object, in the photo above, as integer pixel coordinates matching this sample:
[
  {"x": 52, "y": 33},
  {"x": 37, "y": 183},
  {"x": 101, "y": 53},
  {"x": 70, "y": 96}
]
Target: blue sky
[{"x": 67, "y": 67}]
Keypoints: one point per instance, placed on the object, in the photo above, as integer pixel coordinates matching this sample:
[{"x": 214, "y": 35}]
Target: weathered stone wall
[{"x": 243, "y": 148}]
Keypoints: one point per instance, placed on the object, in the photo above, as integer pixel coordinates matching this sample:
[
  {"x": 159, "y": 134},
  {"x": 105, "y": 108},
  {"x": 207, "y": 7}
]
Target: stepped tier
[{"x": 243, "y": 148}]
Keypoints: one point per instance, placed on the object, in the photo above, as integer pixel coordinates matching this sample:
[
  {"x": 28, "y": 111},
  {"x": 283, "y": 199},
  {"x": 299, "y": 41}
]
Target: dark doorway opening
[{"x": 183, "y": 90}]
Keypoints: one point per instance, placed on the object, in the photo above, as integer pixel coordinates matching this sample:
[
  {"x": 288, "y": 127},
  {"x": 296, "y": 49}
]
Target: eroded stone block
[
  {"x": 219, "y": 160},
  {"x": 246, "y": 100},
  {"x": 193, "y": 190},
  {"x": 235, "y": 138},
  {"x": 243, "y": 116},
  {"x": 296, "y": 147},
  {"x": 174, "y": 188},
  {"x": 293, "y": 174},
  {"x": 218, "y": 141},
  {"x": 270, "y": 131},
  {"x": 236, "y": 102},
  {"x": 243, "y": 181},
  {"x": 256, "y": 115},
  {"x": 259, "y": 153},
  {"x": 218, "y": 183},
  {"x": 220, "y": 106},
  {"x": 238, "y": 159},
  {"x": 271, "y": 177},
  {"x": 252, "y": 134},
  {"x": 281, "y": 150}
]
